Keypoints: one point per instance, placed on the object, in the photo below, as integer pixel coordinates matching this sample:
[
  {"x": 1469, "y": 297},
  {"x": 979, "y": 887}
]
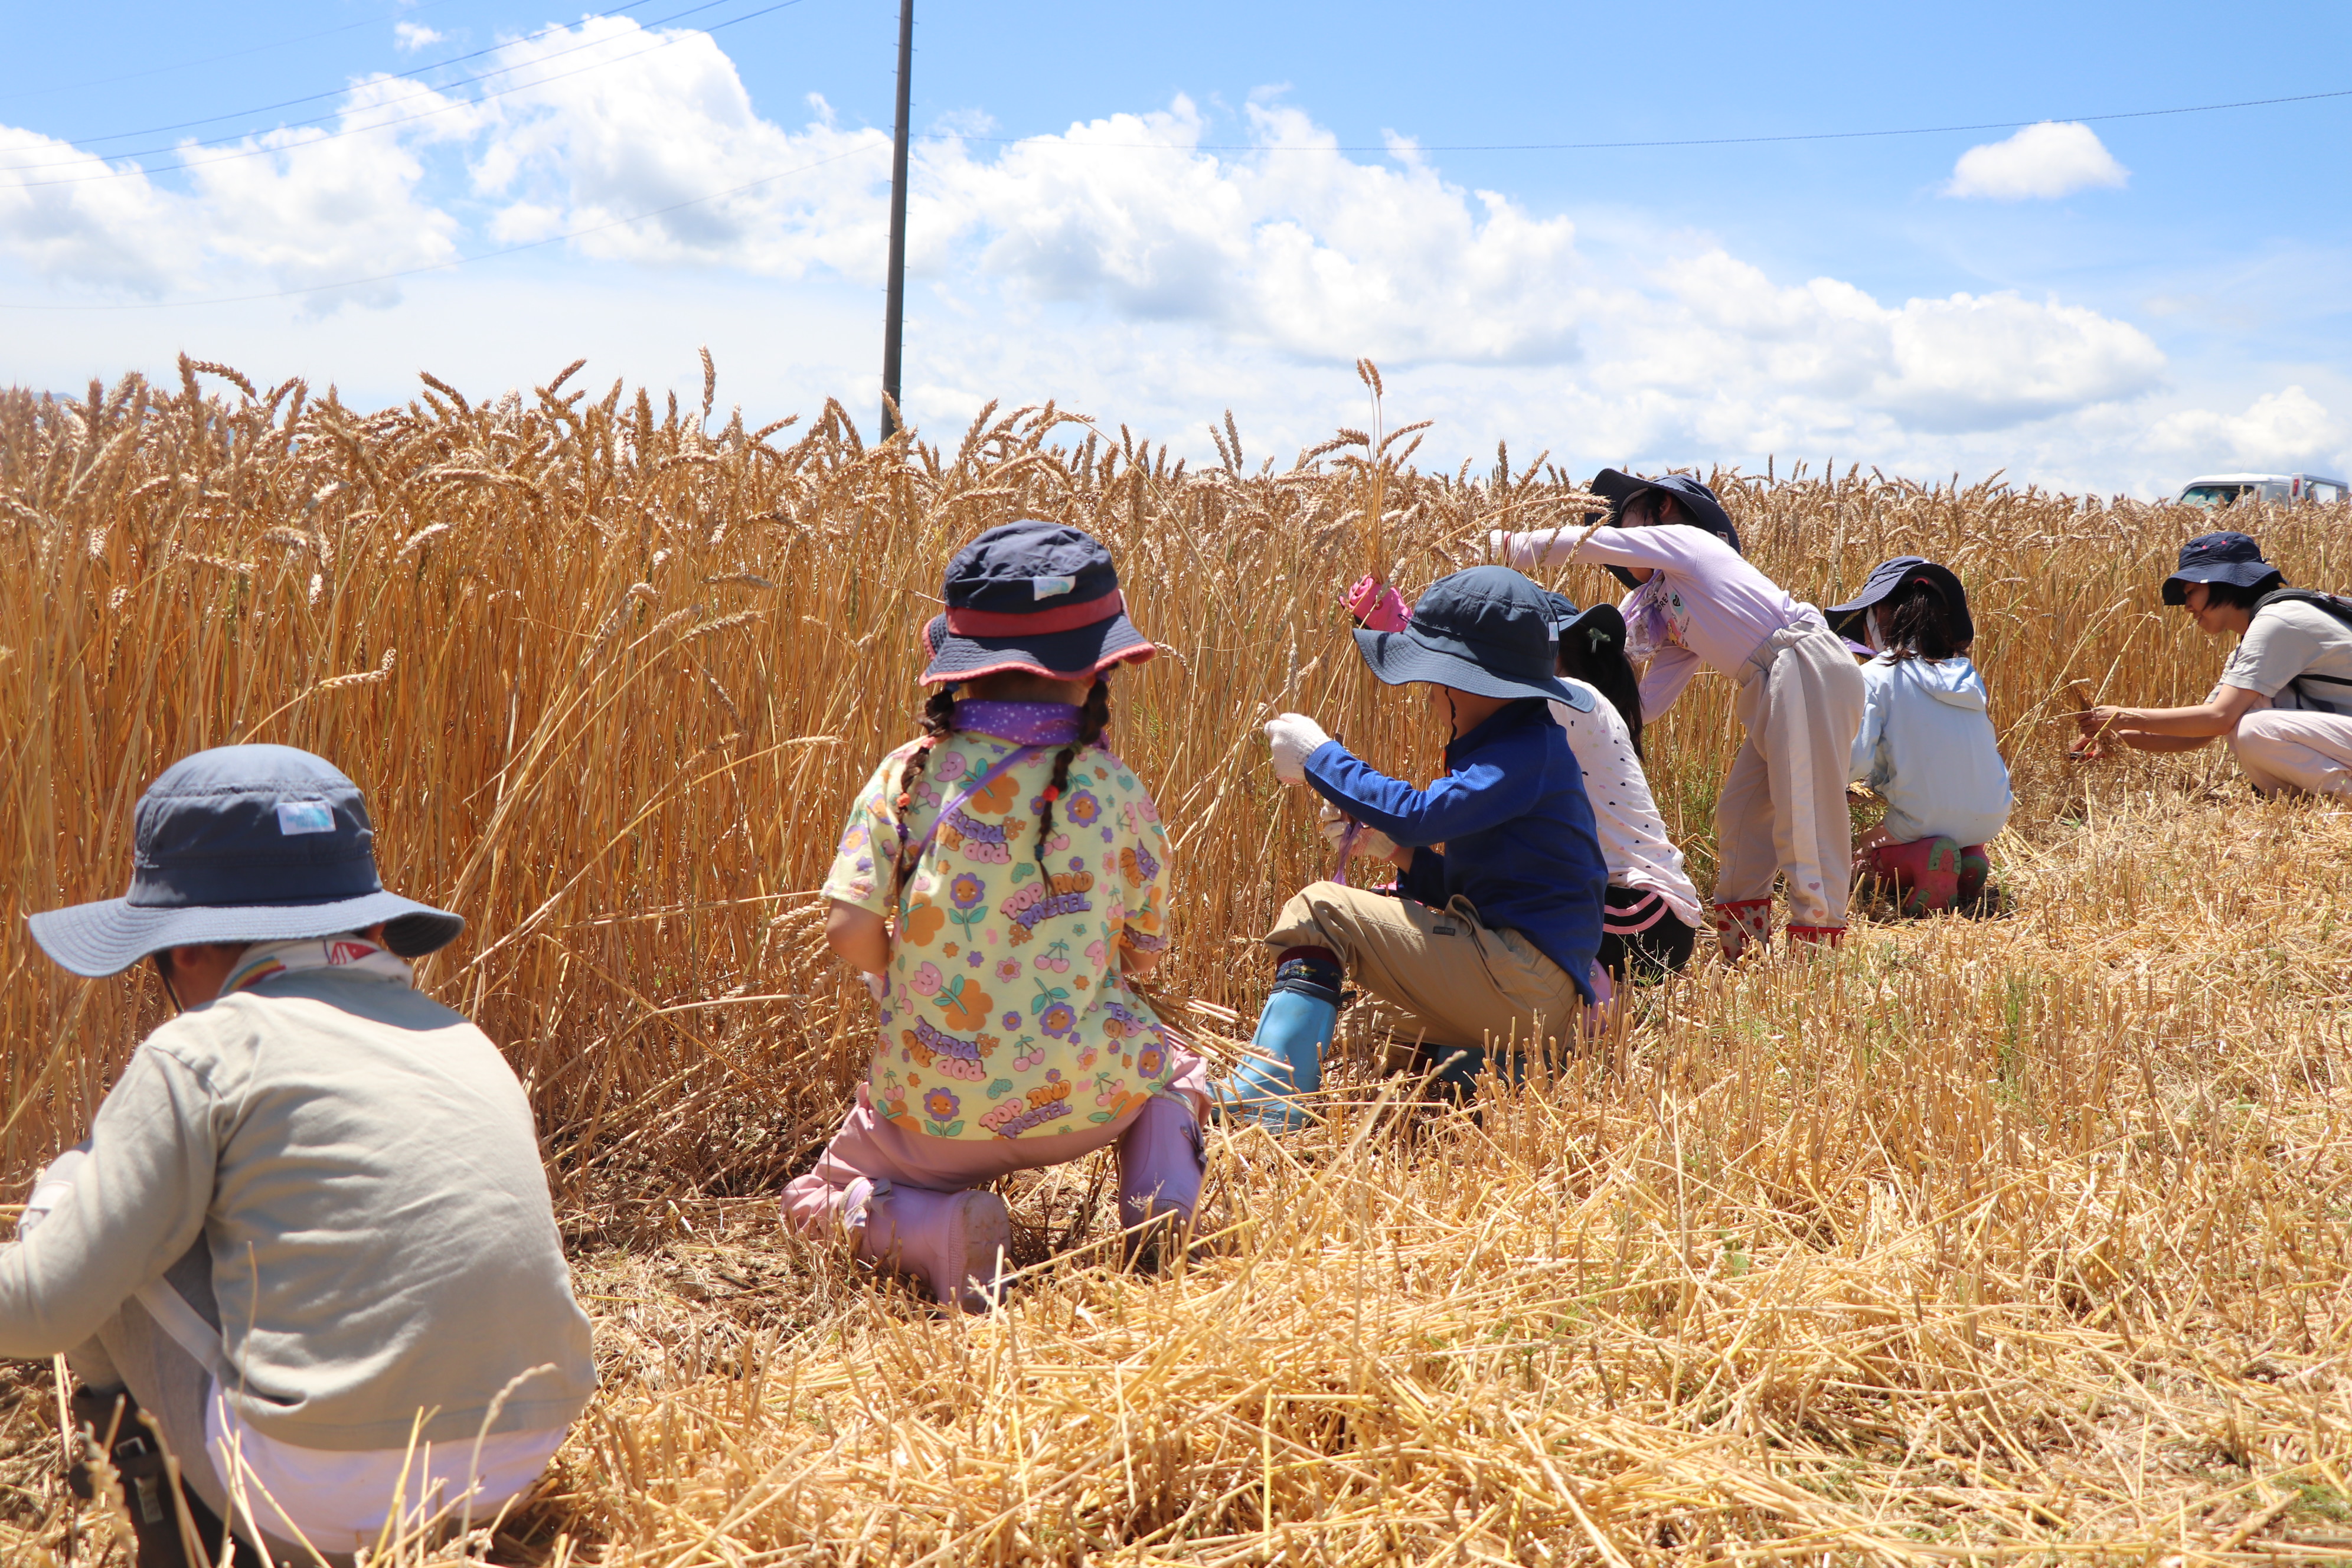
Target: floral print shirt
[{"x": 1005, "y": 1013}]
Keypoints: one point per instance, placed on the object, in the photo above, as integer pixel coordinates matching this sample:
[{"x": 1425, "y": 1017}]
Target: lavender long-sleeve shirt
[{"x": 1707, "y": 606}]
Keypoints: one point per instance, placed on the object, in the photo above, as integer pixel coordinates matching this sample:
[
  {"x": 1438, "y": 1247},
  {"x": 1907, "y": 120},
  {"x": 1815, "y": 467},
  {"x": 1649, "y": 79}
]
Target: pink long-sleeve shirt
[{"x": 1707, "y": 606}]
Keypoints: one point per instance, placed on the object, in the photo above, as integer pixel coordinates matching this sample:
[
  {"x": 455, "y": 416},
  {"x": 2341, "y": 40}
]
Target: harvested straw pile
[{"x": 2021, "y": 1237}]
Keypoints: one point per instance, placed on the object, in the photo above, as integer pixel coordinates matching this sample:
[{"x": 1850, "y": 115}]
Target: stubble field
[{"x": 2020, "y": 1238}]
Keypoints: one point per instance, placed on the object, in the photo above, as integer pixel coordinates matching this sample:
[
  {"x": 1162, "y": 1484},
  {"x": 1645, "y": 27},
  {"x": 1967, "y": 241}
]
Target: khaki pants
[
  {"x": 2296, "y": 751},
  {"x": 1783, "y": 805},
  {"x": 1445, "y": 976}
]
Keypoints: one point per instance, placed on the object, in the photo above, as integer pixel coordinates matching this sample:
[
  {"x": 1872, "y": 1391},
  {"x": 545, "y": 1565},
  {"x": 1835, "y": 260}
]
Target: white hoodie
[{"x": 1926, "y": 747}]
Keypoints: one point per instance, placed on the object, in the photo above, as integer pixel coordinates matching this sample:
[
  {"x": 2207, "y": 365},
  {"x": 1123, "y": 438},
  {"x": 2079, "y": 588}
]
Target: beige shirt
[
  {"x": 2287, "y": 640},
  {"x": 362, "y": 1166}
]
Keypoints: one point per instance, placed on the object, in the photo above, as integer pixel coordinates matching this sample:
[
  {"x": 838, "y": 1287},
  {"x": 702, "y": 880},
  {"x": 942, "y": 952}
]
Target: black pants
[{"x": 1642, "y": 937}]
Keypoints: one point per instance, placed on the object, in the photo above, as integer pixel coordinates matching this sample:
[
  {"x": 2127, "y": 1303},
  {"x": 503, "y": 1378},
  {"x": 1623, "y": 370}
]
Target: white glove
[
  {"x": 1372, "y": 844},
  {"x": 1293, "y": 737}
]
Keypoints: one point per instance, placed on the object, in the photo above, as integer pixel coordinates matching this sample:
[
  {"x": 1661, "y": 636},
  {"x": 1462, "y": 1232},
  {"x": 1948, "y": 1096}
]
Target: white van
[{"x": 2221, "y": 489}]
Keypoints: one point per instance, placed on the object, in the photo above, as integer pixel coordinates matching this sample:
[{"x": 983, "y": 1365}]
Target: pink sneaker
[{"x": 956, "y": 1243}]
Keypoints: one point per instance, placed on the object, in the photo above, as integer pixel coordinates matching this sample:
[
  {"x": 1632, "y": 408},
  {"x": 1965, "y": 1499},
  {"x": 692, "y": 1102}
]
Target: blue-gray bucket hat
[
  {"x": 244, "y": 844},
  {"x": 1486, "y": 630}
]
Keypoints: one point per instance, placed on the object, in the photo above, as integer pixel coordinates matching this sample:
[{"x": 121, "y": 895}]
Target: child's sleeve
[
  {"x": 865, "y": 865},
  {"x": 1143, "y": 867},
  {"x": 1671, "y": 547},
  {"x": 1670, "y": 669},
  {"x": 1864, "y": 760}
]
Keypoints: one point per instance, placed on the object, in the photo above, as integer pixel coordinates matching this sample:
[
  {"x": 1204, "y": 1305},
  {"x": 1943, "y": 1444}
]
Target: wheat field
[{"x": 2017, "y": 1239}]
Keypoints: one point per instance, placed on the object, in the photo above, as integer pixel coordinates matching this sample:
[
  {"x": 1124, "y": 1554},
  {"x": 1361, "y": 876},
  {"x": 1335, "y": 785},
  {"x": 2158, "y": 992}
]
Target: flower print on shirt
[{"x": 939, "y": 1108}]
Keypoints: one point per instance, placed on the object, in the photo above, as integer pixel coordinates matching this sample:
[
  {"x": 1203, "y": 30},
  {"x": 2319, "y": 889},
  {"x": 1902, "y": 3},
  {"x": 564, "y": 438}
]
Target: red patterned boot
[{"x": 1742, "y": 923}]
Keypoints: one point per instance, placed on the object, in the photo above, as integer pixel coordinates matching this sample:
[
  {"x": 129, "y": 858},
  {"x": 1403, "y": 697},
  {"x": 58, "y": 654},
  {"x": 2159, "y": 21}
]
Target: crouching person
[
  {"x": 2284, "y": 699},
  {"x": 307, "y": 1248},
  {"x": 1927, "y": 744},
  {"x": 1490, "y": 946},
  {"x": 1001, "y": 882}
]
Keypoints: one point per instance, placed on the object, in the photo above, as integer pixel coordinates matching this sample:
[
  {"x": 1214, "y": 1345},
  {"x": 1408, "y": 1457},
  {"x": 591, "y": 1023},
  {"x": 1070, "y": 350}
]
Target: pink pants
[
  {"x": 880, "y": 1150},
  {"x": 2295, "y": 750}
]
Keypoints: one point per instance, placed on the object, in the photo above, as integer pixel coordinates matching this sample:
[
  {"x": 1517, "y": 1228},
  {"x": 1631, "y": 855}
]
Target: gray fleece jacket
[{"x": 362, "y": 1166}]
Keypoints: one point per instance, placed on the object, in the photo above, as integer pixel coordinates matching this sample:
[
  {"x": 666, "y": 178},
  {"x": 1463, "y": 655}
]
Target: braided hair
[
  {"x": 939, "y": 719},
  {"x": 1093, "y": 718}
]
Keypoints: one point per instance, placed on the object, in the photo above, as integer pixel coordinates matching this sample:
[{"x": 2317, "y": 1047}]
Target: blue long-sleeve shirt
[{"x": 1516, "y": 826}]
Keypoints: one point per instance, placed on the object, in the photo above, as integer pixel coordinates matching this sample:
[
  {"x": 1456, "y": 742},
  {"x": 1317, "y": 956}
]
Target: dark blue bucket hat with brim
[
  {"x": 1698, "y": 503},
  {"x": 244, "y": 844},
  {"x": 1037, "y": 597},
  {"x": 2224, "y": 557},
  {"x": 1486, "y": 630},
  {"x": 1850, "y": 619}
]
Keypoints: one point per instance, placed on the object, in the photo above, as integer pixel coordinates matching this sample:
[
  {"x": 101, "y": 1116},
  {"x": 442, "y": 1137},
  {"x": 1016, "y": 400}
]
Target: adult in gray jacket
[{"x": 307, "y": 1243}]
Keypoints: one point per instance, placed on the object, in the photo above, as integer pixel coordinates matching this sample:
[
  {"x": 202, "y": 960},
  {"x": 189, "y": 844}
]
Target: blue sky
[{"x": 1222, "y": 206}]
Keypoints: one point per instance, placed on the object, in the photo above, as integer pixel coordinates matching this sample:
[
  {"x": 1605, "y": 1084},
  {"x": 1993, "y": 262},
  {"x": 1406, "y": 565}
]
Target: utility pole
[{"x": 894, "y": 324}]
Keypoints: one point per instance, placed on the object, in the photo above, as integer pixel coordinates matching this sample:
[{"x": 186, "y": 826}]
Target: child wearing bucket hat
[
  {"x": 2284, "y": 699},
  {"x": 1927, "y": 744},
  {"x": 1002, "y": 877},
  {"x": 1488, "y": 945},
  {"x": 1696, "y": 602},
  {"x": 1652, "y": 916},
  {"x": 309, "y": 1233}
]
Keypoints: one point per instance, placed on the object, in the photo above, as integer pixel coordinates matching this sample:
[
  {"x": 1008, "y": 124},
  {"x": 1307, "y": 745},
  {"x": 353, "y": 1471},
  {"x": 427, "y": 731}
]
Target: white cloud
[
  {"x": 410, "y": 37},
  {"x": 668, "y": 127},
  {"x": 1295, "y": 246},
  {"x": 2053, "y": 159},
  {"x": 294, "y": 208},
  {"x": 2284, "y": 430},
  {"x": 64, "y": 215},
  {"x": 1154, "y": 284}
]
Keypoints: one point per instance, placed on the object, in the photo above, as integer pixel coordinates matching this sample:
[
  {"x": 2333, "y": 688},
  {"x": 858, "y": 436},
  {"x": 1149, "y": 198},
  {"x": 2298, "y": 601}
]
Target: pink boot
[
  {"x": 1924, "y": 873},
  {"x": 1161, "y": 1163},
  {"x": 1975, "y": 866},
  {"x": 955, "y": 1243},
  {"x": 1740, "y": 923}
]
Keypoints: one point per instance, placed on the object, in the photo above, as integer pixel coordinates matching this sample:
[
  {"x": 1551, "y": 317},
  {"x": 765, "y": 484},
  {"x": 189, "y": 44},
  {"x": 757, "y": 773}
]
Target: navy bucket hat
[
  {"x": 2224, "y": 557},
  {"x": 1698, "y": 503},
  {"x": 244, "y": 844},
  {"x": 1486, "y": 630},
  {"x": 1039, "y": 597},
  {"x": 1850, "y": 620}
]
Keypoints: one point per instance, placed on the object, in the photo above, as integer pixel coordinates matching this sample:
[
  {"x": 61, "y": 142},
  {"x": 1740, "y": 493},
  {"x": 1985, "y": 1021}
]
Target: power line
[
  {"x": 1619, "y": 146},
  {"x": 231, "y": 55},
  {"x": 462, "y": 260},
  {"x": 322, "y": 119}
]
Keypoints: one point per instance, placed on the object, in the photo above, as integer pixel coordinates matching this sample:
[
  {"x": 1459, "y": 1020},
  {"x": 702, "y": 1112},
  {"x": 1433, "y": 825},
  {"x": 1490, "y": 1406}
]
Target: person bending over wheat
[{"x": 1698, "y": 602}]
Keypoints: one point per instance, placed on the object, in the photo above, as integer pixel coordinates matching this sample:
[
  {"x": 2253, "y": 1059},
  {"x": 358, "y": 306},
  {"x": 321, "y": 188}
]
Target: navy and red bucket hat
[{"x": 1037, "y": 597}]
